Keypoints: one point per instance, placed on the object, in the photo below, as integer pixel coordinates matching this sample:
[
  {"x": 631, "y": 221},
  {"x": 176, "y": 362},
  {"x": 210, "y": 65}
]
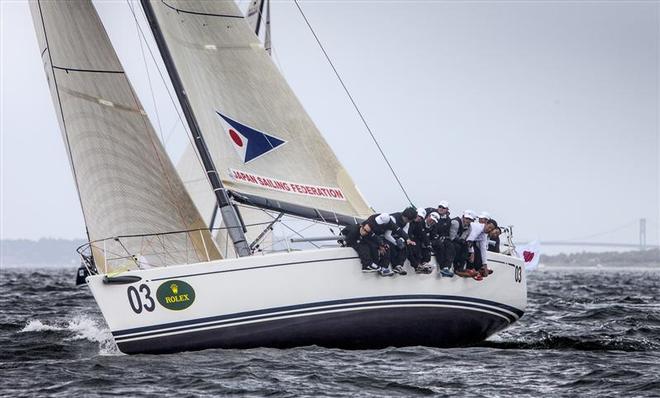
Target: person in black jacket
[
  {"x": 458, "y": 233},
  {"x": 398, "y": 240},
  {"x": 368, "y": 246},
  {"x": 494, "y": 240},
  {"x": 442, "y": 246},
  {"x": 390, "y": 234},
  {"x": 422, "y": 232}
]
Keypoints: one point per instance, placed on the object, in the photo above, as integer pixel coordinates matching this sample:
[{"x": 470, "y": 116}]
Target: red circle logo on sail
[{"x": 235, "y": 137}]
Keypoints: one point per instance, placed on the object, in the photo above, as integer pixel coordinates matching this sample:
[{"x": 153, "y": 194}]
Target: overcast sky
[{"x": 545, "y": 114}]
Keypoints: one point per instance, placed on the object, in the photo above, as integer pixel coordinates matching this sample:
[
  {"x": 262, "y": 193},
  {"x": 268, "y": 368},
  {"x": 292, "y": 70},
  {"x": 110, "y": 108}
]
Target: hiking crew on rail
[{"x": 460, "y": 244}]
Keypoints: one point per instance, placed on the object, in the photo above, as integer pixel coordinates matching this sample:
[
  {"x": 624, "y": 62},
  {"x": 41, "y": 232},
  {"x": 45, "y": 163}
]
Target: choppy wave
[
  {"x": 580, "y": 343},
  {"x": 37, "y": 326},
  {"x": 78, "y": 328},
  {"x": 584, "y": 333}
]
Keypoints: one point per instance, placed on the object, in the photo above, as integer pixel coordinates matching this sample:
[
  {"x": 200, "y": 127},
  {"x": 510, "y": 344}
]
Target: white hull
[{"x": 302, "y": 298}]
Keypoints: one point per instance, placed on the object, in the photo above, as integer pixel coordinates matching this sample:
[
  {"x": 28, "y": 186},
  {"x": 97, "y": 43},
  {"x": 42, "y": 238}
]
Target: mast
[
  {"x": 229, "y": 213},
  {"x": 267, "y": 39},
  {"x": 261, "y": 9}
]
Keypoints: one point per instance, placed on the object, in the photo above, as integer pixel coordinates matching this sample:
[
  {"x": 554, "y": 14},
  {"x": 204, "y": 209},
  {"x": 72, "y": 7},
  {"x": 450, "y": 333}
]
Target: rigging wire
[
  {"x": 350, "y": 97},
  {"x": 162, "y": 78},
  {"x": 273, "y": 53},
  {"x": 146, "y": 68}
]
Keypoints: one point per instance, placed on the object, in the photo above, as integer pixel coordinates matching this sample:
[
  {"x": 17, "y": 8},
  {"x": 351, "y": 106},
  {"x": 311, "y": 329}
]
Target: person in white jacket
[{"x": 478, "y": 248}]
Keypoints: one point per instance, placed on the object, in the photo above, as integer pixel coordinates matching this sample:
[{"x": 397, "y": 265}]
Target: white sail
[
  {"x": 194, "y": 178},
  {"x": 126, "y": 182},
  {"x": 197, "y": 185},
  {"x": 260, "y": 137}
]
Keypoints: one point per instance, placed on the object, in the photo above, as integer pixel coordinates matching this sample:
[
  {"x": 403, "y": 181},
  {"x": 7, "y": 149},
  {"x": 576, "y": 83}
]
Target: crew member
[
  {"x": 494, "y": 240},
  {"x": 361, "y": 238},
  {"x": 477, "y": 241},
  {"x": 421, "y": 233},
  {"x": 386, "y": 229},
  {"x": 398, "y": 241},
  {"x": 442, "y": 246},
  {"x": 484, "y": 217},
  {"x": 458, "y": 233}
]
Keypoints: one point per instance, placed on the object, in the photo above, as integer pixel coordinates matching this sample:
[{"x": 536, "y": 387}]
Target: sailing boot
[
  {"x": 399, "y": 270},
  {"x": 371, "y": 268}
]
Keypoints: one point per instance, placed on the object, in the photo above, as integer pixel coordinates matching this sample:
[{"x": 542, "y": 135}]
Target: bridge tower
[{"x": 642, "y": 234}]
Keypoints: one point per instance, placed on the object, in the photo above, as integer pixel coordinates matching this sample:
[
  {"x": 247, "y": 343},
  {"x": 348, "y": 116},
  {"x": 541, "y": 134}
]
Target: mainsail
[
  {"x": 256, "y": 130},
  {"x": 126, "y": 182}
]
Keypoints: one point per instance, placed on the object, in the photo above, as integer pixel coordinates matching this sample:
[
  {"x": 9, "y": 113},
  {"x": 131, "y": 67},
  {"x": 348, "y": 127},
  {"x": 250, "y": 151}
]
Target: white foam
[
  {"x": 86, "y": 328},
  {"x": 36, "y": 325},
  {"x": 83, "y": 328}
]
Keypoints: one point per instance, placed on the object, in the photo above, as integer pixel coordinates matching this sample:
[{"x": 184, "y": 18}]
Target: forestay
[
  {"x": 126, "y": 182},
  {"x": 260, "y": 137}
]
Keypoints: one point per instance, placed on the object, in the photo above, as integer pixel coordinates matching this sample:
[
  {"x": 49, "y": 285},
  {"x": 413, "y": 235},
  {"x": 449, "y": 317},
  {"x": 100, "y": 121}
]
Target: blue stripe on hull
[
  {"x": 511, "y": 313},
  {"x": 367, "y": 329},
  {"x": 370, "y": 328}
]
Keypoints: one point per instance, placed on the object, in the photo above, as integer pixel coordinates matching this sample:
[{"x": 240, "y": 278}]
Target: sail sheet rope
[{"x": 357, "y": 109}]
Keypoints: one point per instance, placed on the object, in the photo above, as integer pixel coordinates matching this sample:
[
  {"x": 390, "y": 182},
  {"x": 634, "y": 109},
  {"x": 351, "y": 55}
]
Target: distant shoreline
[
  {"x": 45, "y": 252},
  {"x": 635, "y": 258}
]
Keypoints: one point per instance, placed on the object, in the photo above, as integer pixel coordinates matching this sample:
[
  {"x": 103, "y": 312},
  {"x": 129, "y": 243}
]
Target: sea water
[{"x": 586, "y": 332}]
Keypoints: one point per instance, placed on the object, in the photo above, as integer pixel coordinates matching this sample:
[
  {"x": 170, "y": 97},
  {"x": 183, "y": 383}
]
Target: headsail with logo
[
  {"x": 267, "y": 149},
  {"x": 126, "y": 182}
]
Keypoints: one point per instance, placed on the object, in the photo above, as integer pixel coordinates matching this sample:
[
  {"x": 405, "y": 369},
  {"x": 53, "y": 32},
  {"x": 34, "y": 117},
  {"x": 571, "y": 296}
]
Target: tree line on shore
[{"x": 641, "y": 258}]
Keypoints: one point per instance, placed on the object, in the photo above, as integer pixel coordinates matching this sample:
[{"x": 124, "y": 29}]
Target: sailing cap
[
  {"x": 421, "y": 213},
  {"x": 444, "y": 204},
  {"x": 469, "y": 214},
  {"x": 382, "y": 218},
  {"x": 435, "y": 216},
  {"x": 485, "y": 215}
]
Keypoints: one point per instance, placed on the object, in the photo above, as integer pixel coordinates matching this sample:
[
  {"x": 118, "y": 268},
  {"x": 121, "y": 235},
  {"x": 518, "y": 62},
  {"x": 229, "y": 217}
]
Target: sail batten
[{"x": 126, "y": 183}]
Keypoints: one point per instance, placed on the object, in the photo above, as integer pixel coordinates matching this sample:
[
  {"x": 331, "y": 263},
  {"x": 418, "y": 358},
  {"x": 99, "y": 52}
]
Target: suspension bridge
[{"x": 585, "y": 241}]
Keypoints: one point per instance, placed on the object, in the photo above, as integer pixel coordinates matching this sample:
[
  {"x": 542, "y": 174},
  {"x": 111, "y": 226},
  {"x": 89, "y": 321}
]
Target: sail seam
[
  {"x": 200, "y": 13},
  {"x": 67, "y": 70}
]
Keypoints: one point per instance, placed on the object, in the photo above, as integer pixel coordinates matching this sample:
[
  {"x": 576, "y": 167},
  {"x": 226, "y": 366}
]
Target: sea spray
[{"x": 81, "y": 327}]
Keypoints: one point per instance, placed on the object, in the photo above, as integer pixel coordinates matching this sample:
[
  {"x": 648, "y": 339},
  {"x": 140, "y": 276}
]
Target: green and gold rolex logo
[{"x": 175, "y": 295}]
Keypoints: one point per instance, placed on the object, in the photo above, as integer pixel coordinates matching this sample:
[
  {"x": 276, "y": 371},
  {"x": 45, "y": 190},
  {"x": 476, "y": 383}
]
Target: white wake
[{"x": 82, "y": 328}]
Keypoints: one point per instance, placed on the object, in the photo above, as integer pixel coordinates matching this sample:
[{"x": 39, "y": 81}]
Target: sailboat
[{"x": 163, "y": 278}]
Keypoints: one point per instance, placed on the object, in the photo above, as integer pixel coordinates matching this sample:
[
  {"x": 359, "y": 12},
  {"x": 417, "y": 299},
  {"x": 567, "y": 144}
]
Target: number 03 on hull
[{"x": 317, "y": 297}]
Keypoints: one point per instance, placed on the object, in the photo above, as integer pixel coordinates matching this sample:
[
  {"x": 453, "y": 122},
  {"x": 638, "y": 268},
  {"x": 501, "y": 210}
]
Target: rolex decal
[{"x": 175, "y": 295}]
